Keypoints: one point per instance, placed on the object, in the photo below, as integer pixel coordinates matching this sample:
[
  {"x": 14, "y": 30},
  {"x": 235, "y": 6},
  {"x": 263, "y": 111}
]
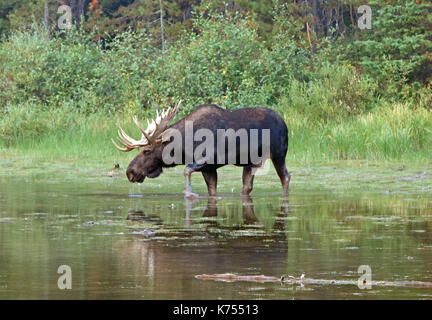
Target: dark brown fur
[{"x": 149, "y": 162}]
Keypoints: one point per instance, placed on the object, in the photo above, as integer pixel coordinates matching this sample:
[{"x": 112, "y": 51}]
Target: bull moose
[{"x": 209, "y": 121}]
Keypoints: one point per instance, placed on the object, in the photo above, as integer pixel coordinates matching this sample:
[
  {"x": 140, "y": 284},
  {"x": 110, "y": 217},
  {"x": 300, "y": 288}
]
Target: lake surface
[{"x": 124, "y": 241}]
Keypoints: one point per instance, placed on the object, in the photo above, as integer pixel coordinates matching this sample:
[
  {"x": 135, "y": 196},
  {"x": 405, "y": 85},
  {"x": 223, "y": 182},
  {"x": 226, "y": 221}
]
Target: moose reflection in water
[
  {"x": 211, "y": 247},
  {"x": 211, "y": 210}
]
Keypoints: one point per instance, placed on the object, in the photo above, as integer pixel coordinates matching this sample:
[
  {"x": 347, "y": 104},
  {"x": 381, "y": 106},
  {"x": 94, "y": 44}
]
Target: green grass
[
  {"x": 386, "y": 134},
  {"x": 390, "y": 133}
]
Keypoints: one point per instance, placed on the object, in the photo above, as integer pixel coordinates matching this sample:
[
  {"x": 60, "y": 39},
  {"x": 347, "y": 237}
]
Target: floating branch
[{"x": 230, "y": 277}]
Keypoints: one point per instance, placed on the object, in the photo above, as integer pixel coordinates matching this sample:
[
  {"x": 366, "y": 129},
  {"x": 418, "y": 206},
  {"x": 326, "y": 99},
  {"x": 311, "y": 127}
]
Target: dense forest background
[{"x": 346, "y": 92}]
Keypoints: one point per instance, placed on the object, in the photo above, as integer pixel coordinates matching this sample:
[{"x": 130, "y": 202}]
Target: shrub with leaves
[{"x": 396, "y": 51}]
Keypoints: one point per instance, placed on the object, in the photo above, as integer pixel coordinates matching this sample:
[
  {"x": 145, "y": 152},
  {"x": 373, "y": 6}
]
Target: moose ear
[{"x": 167, "y": 134}]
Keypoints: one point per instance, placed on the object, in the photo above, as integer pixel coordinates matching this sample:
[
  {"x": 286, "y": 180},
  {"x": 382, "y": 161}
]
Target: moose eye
[{"x": 146, "y": 151}]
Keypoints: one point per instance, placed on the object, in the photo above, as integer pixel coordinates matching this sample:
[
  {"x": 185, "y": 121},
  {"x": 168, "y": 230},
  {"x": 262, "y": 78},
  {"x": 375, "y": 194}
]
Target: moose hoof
[{"x": 190, "y": 194}]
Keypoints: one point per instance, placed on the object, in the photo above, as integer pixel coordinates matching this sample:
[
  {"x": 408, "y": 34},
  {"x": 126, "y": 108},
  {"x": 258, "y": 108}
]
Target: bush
[
  {"x": 334, "y": 93},
  {"x": 396, "y": 50},
  {"x": 70, "y": 68},
  {"x": 225, "y": 63}
]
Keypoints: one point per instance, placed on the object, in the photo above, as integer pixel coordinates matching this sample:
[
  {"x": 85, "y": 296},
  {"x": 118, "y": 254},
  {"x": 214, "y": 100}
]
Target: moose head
[{"x": 148, "y": 162}]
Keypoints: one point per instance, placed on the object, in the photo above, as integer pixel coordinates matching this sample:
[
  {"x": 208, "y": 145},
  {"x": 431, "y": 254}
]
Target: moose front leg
[{"x": 190, "y": 168}]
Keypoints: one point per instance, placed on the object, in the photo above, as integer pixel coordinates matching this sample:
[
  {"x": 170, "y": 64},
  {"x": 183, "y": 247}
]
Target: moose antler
[{"x": 149, "y": 136}]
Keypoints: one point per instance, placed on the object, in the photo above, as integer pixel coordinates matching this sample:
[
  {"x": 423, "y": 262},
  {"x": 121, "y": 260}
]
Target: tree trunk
[
  {"x": 46, "y": 15},
  {"x": 78, "y": 9},
  {"x": 315, "y": 14},
  {"x": 162, "y": 27},
  {"x": 81, "y": 5}
]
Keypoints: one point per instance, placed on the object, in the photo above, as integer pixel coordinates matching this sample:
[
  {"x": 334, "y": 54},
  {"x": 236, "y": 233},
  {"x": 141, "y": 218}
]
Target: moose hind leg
[
  {"x": 210, "y": 178},
  {"x": 248, "y": 178},
  {"x": 283, "y": 174}
]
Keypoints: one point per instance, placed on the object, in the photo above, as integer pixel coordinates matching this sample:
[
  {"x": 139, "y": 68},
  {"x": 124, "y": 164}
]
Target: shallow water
[{"x": 124, "y": 241}]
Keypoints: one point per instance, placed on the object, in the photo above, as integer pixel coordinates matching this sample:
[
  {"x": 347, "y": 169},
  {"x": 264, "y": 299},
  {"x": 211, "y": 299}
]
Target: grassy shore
[{"x": 398, "y": 133}]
